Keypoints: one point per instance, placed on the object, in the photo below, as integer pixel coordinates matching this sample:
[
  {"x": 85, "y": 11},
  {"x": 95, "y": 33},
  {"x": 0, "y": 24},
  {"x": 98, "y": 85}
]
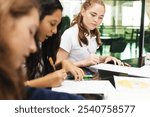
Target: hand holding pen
[
  {"x": 52, "y": 63},
  {"x": 92, "y": 59},
  {"x": 58, "y": 76}
]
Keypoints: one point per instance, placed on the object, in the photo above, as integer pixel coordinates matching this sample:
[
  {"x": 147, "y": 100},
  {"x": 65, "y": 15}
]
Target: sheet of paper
[
  {"x": 130, "y": 88},
  {"x": 86, "y": 87},
  {"x": 145, "y": 67},
  {"x": 132, "y": 84},
  {"x": 128, "y": 96},
  {"x": 123, "y": 69}
]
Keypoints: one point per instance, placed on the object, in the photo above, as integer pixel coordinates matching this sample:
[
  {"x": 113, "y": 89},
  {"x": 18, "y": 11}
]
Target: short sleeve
[{"x": 66, "y": 40}]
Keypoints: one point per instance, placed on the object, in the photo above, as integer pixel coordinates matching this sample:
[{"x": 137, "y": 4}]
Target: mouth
[{"x": 94, "y": 25}]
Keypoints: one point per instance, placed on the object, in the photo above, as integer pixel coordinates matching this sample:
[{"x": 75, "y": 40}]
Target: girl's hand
[
  {"x": 58, "y": 77},
  {"x": 91, "y": 60},
  {"x": 115, "y": 61},
  {"x": 71, "y": 68}
]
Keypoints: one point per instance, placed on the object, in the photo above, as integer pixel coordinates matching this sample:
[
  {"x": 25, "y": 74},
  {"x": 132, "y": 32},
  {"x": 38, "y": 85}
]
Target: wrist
[
  {"x": 27, "y": 83},
  {"x": 83, "y": 64}
]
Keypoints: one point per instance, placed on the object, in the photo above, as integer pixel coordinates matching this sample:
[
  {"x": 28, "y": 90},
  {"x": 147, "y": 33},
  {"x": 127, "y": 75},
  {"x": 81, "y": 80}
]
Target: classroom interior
[{"x": 124, "y": 27}]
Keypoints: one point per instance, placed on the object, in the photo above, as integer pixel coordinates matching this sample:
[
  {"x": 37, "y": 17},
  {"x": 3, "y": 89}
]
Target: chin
[{"x": 92, "y": 27}]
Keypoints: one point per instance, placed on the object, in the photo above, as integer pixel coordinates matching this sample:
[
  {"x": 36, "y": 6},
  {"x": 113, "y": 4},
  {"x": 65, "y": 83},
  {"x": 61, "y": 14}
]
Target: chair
[
  {"x": 118, "y": 45},
  {"x": 65, "y": 24}
]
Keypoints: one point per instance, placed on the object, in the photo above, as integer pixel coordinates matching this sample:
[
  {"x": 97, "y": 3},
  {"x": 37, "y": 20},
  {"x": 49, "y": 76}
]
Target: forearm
[
  {"x": 41, "y": 82},
  {"x": 80, "y": 63},
  {"x": 67, "y": 64}
]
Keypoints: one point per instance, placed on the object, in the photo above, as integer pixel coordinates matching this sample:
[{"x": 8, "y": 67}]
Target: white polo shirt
[{"x": 70, "y": 43}]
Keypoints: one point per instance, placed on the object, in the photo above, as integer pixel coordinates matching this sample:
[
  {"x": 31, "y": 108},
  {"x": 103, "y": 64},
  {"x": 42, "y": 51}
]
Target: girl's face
[
  {"x": 21, "y": 38},
  {"x": 48, "y": 25},
  {"x": 93, "y": 16}
]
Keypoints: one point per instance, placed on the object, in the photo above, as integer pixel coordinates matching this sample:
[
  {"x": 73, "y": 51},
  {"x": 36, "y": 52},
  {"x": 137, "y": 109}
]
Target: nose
[
  {"x": 33, "y": 47},
  {"x": 54, "y": 30},
  {"x": 96, "y": 19}
]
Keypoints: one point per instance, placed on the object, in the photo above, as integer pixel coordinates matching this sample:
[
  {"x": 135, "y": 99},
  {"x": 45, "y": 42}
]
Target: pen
[
  {"x": 88, "y": 51},
  {"x": 52, "y": 63}
]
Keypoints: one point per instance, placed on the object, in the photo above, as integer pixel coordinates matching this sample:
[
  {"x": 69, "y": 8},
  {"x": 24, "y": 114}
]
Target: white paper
[
  {"x": 86, "y": 87},
  {"x": 132, "y": 84},
  {"x": 130, "y": 88},
  {"x": 123, "y": 69},
  {"x": 145, "y": 67},
  {"x": 128, "y": 96}
]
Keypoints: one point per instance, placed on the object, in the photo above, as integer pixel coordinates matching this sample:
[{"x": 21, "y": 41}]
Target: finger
[
  {"x": 79, "y": 77},
  {"x": 79, "y": 70},
  {"x": 93, "y": 63},
  {"x": 65, "y": 77},
  {"x": 80, "y": 73},
  {"x": 115, "y": 63},
  {"x": 120, "y": 63},
  {"x": 75, "y": 74},
  {"x": 126, "y": 64},
  {"x": 107, "y": 60}
]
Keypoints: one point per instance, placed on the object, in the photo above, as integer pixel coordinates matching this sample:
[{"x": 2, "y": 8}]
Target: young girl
[
  {"x": 38, "y": 63},
  {"x": 18, "y": 24},
  {"x": 80, "y": 42},
  {"x": 19, "y": 20}
]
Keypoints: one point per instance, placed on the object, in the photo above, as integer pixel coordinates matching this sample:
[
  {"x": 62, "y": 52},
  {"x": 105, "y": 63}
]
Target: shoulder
[{"x": 71, "y": 30}]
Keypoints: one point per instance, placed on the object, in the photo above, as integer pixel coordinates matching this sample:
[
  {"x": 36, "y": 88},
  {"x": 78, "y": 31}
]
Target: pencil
[
  {"x": 88, "y": 51},
  {"x": 52, "y": 63}
]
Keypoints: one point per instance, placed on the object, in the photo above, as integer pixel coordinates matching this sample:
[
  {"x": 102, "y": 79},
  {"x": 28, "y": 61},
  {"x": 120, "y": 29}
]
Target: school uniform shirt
[{"x": 70, "y": 43}]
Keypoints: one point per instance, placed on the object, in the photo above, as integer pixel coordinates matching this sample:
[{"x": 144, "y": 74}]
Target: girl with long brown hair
[{"x": 80, "y": 42}]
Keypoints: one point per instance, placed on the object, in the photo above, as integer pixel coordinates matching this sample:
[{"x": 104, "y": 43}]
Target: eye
[
  {"x": 101, "y": 17},
  {"x": 52, "y": 24},
  {"x": 32, "y": 32},
  {"x": 93, "y": 15}
]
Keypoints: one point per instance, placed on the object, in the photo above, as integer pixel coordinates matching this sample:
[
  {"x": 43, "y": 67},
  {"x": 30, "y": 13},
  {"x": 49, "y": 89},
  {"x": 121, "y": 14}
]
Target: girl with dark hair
[{"x": 48, "y": 35}]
